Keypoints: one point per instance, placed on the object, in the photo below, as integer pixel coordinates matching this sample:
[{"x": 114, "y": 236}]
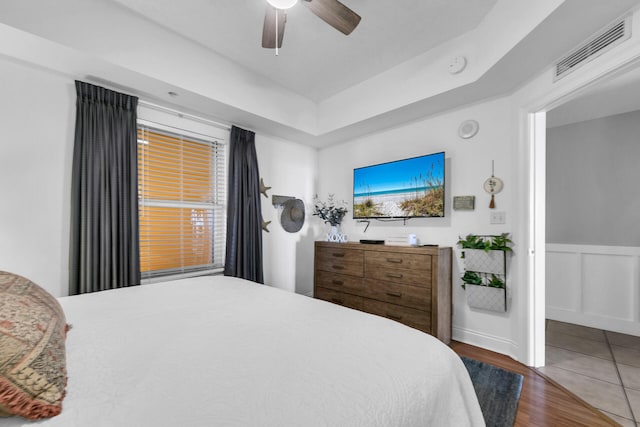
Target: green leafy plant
[
  {"x": 472, "y": 278},
  {"x": 473, "y": 241},
  {"x": 331, "y": 212},
  {"x": 495, "y": 282},
  {"x": 486, "y": 243},
  {"x": 501, "y": 243}
]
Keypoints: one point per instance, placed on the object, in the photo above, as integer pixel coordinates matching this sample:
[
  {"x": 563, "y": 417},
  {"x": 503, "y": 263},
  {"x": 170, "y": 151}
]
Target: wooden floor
[{"x": 542, "y": 401}]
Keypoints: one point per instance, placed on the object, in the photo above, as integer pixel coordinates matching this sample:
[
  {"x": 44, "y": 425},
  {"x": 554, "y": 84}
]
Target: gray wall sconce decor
[{"x": 292, "y": 216}]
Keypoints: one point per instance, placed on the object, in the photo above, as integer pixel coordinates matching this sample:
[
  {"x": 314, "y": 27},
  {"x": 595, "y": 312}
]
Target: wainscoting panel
[
  {"x": 607, "y": 281},
  {"x": 563, "y": 281},
  {"x": 596, "y": 286}
]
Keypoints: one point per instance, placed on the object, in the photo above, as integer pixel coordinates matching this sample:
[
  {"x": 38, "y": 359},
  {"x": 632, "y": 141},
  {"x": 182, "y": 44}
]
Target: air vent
[{"x": 599, "y": 44}]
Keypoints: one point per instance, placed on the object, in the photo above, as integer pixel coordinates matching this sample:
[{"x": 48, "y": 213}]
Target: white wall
[
  {"x": 593, "y": 196},
  {"x": 36, "y": 150},
  {"x": 290, "y": 170},
  {"x": 468, "y": 165}
]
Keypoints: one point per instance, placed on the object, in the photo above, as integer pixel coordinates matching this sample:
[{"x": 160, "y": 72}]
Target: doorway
[
  {"x": 625, "y": 74},
  {"x": 593, "y": 247}
]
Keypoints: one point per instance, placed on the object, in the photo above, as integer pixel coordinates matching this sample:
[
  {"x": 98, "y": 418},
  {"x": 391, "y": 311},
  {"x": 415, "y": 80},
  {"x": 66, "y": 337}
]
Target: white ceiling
[
  {"x": 316, "y": 60},
  {"x": 323, "y": 87}
]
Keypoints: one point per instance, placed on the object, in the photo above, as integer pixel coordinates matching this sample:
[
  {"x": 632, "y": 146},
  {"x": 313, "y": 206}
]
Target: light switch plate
[{"x": 499, "y": 217}]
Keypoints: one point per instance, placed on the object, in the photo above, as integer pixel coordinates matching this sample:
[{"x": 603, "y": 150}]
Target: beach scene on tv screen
[{"x": 405, "y": 188}]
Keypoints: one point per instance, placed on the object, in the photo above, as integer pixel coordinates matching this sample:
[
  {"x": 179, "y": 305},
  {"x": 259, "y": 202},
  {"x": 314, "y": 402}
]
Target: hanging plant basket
[
  {"x": 485, "y": 276},
  {"x": 485, "y": 261},
  {"x": 486, "y": 297}
]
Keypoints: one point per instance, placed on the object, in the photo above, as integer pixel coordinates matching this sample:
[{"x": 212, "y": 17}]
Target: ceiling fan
[{"x": 332, "y": 12}]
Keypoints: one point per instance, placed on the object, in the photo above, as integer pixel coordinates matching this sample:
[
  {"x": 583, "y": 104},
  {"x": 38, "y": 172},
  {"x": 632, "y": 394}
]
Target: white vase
[{"x": 334, "y": 235}]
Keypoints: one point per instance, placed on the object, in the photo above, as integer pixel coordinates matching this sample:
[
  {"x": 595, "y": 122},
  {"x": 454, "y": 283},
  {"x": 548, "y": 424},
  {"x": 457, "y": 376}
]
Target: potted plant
[
  {"x": 485, "y": 270},
  {"x": 331, "y": 212},
  {"x": 485, "y": 253},
  {"x": 472, "y": 278},
  {"x": 488, "y": 297},
  {"x": 499, "y": 242},
  {"x": 496, "y": 282}
]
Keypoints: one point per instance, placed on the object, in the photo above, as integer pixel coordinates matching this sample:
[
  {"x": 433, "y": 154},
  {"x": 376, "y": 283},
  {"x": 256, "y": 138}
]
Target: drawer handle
[
  {"x": 337, "y": 282},
  {"x": 394, "y": 316},
  {"x": 394, "y": 294},
  {"x": 337, "y": 300},
  {"x": 338, "y": 255},
  {"x": 395, "y": 260},
  {"x": 337, "y": 267},
  {"x": 395, "y": 275}
]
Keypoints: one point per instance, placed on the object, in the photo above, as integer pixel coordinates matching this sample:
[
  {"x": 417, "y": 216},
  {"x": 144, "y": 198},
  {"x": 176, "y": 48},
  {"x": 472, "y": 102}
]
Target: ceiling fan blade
[
  {"x": 269, "y": 28},
  {"x": 335, "y": 14}
]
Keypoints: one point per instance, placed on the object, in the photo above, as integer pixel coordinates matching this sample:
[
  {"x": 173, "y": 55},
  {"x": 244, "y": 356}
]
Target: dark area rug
[{"x": 498, "y": 392}]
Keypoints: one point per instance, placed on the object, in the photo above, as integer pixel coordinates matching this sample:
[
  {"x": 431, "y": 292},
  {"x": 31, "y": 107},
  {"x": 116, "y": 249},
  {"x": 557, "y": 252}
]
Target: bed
[{"x": 220, "y": 351}]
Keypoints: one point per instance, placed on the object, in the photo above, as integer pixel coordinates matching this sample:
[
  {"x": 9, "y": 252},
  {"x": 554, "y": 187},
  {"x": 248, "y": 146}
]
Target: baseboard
[
  {"x": 486, "y": 341},
  {"x": 622, "y": 326}
]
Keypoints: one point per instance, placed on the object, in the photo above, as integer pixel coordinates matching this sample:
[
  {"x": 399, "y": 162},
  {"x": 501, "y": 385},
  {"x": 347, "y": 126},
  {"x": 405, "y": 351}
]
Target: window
[{"x": 181, "y": 189}]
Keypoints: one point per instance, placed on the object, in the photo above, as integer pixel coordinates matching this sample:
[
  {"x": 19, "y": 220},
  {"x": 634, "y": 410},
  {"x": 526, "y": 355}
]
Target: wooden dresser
[{"x": 409, "y": 284}]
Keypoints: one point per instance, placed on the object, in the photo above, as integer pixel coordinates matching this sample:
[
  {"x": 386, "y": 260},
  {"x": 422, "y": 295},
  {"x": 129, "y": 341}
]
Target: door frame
[{"x": 534, "y": 123}]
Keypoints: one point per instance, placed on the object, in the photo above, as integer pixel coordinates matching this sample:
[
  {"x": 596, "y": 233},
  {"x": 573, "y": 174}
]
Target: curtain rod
[{"x": 181, "y": 114}]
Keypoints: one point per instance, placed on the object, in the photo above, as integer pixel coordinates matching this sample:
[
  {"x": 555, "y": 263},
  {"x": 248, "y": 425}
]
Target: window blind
[{"x": 181, "y": 190}]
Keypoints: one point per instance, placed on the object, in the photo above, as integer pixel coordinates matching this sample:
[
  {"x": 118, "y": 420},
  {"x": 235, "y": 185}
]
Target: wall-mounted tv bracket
[
  {"x": 364, "y": 220},
  {"x": 404, "y": 221}
]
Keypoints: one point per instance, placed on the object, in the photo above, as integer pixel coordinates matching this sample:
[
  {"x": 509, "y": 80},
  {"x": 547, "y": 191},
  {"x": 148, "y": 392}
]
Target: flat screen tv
[{"x": 409, "y": 188}]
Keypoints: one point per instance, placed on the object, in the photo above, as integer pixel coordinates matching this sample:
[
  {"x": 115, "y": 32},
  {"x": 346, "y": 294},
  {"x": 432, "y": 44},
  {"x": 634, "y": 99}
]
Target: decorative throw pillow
[{"x": 33, "y": 329}]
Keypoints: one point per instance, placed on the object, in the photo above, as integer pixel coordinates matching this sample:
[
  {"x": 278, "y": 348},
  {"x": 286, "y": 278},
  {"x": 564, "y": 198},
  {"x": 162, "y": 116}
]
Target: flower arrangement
[{"x": 331, "y": 211}]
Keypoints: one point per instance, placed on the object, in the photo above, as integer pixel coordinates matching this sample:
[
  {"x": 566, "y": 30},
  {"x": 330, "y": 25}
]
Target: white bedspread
[{"x": 217, "y": 351}]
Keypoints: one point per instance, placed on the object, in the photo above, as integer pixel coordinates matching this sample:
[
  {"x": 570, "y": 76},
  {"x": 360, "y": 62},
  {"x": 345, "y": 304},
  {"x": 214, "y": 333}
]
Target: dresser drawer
[
  {"x": 396, "y": 293},
  {"x": 339, "y": 260},
  {"x": 414, "y": 262},
  {"x": 340, "y": 282},
  {"x": 399, "y": 275},
  {"x": 411, "y": 285},
  {"x": 341, "y": 298},
  {"x": 407, "y": 269},
  {"x": 409, "y": 316}
]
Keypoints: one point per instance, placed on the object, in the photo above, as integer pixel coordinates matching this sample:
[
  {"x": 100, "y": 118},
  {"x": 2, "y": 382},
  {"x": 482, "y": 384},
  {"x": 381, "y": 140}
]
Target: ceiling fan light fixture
[{"x": 282, "y": 4}]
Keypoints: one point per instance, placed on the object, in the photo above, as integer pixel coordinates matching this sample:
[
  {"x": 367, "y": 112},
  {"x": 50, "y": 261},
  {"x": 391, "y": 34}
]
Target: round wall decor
[
  {"x": 468, "y": 129},
  {"x": 493, "y": 185}
]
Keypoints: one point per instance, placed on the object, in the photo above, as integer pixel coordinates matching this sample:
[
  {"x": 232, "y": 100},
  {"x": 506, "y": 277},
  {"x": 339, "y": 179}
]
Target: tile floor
[{"x": 601, "y": 367}]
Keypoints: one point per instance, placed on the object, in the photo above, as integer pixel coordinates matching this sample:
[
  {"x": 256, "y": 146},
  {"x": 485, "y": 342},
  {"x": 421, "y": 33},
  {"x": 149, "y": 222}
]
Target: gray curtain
[
  {"x": 104, "y": 247},
  {"x": 244, "y": 214}
]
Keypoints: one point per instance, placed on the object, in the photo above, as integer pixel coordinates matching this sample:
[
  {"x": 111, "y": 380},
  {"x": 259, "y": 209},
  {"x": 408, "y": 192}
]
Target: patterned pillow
[{"x": 33, "y": 372}]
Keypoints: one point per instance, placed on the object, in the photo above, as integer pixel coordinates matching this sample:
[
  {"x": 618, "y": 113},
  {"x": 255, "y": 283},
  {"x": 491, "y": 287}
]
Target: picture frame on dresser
[{"x": 411, "y": 285}]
